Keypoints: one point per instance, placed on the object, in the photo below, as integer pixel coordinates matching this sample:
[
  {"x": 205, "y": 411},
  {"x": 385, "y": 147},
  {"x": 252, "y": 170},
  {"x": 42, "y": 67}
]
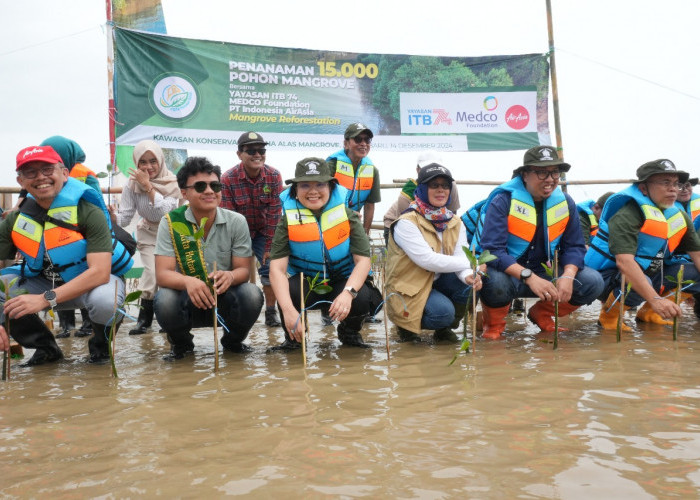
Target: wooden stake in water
[
  {"x": 386, "y": 326},
  {"x": 556, "y": 302},
  {"x": 216, "y": 323},
  {"x": 6, "y": 358},
  {"x": 679, "y": 285},
  {"x": 621, "y": 306},
  {"x": 473, "y": 346},
  {"x": 301, "y": 321}
]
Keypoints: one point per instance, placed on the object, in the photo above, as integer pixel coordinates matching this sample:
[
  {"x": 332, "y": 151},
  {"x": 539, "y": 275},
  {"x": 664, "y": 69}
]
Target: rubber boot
[
  {"x": 494, "y": 320},
  {"x": 445, "y": 334},
  {"x": 230, "y": 343},
  {"x": 181, "y": 344},
  {"x": 609, "y": 314},
  {"x": 286, "y": 346},
  {"x": 31, "y": 332},
  {"x": 98, "y": 345},
  {"x": 647, "y": 315},
  {"x": 86, "y": 328},
  {"x": 349, "y": 332},
  {"x": 66, "y": 321},
  {"x": 460, "y": 309},
  {"x": 696, "y": 306},
  {"x": 143, "y": 323},
  {"x": 542, "y": 314},
  {"x": 271, "y": 318},
  {"x": 408, "y": 335}
]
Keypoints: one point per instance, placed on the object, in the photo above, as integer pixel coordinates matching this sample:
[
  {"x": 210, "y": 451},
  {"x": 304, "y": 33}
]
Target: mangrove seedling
[
  {"x": 484, "y": 258},
  {"x": 5, "y": 288},
  {"x": 680, "y": 285}
]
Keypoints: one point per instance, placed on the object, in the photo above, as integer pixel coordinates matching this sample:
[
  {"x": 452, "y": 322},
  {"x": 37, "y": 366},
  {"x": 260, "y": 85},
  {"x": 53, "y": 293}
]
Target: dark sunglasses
[
  {"x": 252, "y": 151},
  {"x": 440, "y": 185},
  {"x": 543, "y": 174},
  {"x": 201, "y": 186},
  {"x": 362, "y": 138}
]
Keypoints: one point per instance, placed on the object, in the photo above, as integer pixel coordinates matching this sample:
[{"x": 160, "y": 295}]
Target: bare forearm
[{"x": 634, "y": 275}]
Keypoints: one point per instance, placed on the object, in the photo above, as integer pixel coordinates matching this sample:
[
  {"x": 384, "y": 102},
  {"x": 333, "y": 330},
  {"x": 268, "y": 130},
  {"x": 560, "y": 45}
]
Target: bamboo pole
[
  {"x": 216, "y": 335},
  {"x": 301, "y": 320},
  {"x": 386, "y": 326},
  {"x": 556, "y": 302}
]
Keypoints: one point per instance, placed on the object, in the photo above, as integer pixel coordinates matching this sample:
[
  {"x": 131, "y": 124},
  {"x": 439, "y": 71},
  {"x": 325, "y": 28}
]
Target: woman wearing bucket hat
[
  {"x": 426, "y": 265},
  {"x": 319, "y": 235}
]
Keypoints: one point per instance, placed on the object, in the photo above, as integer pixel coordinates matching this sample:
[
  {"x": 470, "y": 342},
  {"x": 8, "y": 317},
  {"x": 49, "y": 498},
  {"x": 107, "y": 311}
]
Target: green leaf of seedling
[
  {"x": 687, "y": 282},
  {"x": 547, "y": 269},
  {"x": 322, "y": 289},
  {"x": 2, "y": 286},
  {"x": 12, "y": 282},
  {"x": 133, "y": 296},
  {"x": 486, "y": 257},
  {"x": 472, "y": 259},
  {"x": 671, "y": 279},
  {"x": 181, "y": 228},
  {"x": 20, "y": 291},
  {"x": 463, "y": 348},
  {"x": 102, "y": 175}
]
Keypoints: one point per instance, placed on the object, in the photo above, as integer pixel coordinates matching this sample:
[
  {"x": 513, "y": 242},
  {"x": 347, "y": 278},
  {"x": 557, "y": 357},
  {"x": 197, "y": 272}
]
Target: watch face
[
  {"x": 50, "y": 295},
  {"x": 525, "y": 274}
]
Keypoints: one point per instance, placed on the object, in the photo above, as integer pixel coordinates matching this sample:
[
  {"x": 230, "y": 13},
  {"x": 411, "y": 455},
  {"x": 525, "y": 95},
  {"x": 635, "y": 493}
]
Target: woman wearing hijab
[
  {"x": 152, "y": 192},
  {"x": 73, "y": 157},
  {"x": 426, "y": 266},
  {"x": 319, "y": 235}
]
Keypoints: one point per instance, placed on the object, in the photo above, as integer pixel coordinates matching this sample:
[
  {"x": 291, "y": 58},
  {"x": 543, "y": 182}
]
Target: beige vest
[{"x": 411, "y": 282}]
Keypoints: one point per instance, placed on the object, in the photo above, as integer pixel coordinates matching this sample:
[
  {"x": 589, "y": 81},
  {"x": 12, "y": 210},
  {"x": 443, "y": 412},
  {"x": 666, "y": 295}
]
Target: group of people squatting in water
[{"x": 198, "y": 231}]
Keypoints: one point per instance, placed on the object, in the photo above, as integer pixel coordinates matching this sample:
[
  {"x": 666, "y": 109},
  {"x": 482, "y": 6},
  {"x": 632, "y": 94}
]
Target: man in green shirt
[
  {"x": 641, "y": 228},
  {"x": 70, "y": 259}
]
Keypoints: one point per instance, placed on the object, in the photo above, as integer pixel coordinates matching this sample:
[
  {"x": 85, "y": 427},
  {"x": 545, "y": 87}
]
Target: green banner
[{"x": 198, "y": 94}]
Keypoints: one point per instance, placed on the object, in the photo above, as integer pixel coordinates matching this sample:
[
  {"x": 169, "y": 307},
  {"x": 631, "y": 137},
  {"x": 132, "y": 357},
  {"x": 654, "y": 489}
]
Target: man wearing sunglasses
[
  {"x": 202, "y": 250},
  {"x": 252, "y": 188},
  {"x": 71, "y": 258},
  {"x": 523, "y": 223},
  {"x": 356, "y": 172},
  {"x": 642, "y": 232}
]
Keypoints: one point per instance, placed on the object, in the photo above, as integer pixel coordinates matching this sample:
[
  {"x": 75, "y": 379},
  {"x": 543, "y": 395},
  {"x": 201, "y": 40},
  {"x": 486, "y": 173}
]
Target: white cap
[{"x": 427, "y": 157}]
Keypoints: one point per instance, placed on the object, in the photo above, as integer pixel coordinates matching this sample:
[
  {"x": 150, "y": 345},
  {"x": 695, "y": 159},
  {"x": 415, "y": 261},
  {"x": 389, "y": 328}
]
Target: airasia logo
[{"x": 517, "y": 117}]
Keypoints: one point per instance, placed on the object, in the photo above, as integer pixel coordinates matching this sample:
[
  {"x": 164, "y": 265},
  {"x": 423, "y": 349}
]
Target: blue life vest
[
  {"x": 661, "y": 231},
  {"x": 319, "y": 246},
  {"x": 522, "y": 218},
  {"x": 586, "y": 207},
  {"x": 470, "y": 219},
  {"x": 37, "y": 231},
  {"x": 693, "y": 210},
  {"x": 358, "y": 184}
]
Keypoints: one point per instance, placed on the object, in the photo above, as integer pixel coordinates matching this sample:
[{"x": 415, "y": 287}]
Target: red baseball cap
[{"x": 38, "y": 153}]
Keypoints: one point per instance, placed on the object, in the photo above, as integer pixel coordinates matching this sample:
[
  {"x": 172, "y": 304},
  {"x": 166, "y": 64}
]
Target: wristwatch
[
  {"x": 352, "y": 291},
  {"x": 50, "y": 297},
  {"x": 525, "y": 274}
]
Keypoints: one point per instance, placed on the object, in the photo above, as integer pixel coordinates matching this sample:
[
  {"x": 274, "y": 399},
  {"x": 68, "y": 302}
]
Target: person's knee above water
[
  {"x": 523, "y": 223},
  {"x": 428, "y": 274},
  {"x": 252, "y": 188},
  {"x": 151, "y": 192},
  {"x": 203, "y": 255},
  {"x": 71, "y": 258},
  {"x": 642, "y": 233},
  {"x": 319, "y": 236}
]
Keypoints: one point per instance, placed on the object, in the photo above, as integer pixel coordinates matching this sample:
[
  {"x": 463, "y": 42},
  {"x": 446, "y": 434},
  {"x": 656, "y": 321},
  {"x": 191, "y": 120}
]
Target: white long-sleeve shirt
[
  {"x": 409, "y": 238},
  {"x": 132, "y": 203}
]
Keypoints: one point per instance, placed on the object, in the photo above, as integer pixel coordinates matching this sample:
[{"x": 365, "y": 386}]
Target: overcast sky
[{"x": 629, "y": 82}]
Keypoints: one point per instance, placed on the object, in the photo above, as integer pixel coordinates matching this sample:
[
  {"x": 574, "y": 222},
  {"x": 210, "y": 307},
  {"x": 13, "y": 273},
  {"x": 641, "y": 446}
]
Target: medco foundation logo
[{"x": 174, "y": 96}]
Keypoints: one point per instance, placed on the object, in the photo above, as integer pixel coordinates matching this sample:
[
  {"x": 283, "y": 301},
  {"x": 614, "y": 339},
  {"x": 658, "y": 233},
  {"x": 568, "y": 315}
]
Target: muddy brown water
[{"x": 513, "y": 419}]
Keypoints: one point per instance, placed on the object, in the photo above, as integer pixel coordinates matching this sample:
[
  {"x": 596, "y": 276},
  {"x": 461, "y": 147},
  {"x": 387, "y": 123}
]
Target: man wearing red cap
[{"x": 70, "y": 256}]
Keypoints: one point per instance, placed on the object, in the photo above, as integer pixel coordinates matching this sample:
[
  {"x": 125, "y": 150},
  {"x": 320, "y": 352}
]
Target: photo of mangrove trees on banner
[{"x": 198, "y": 94}]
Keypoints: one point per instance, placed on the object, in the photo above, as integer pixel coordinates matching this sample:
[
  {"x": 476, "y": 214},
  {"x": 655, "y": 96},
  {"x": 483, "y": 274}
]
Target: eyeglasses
[
  {"x": 201, "y": 186},
  {"x": 46, "y": 170},
  {"x": 252, "y": 151},
  {"x": 440, "y": 185},
  {"x": 359, "y": 139},
  {"x": 307, "y": 186},
  {"x": 543, "y": 174},
  {"x": 667, "y": 184},
  {"x": 686, "y": 187}
]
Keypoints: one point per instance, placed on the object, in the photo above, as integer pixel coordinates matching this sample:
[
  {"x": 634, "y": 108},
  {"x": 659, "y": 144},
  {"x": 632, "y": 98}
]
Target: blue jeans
[
  {"x": 500, "y": 288},
  {"x": 258, "y": 242},
  {"x": 633, "y": 299},
  {"x": 439, "y": 310},
  {"x": 99, "y": 301},
  {"x": 239, "y": 307}
]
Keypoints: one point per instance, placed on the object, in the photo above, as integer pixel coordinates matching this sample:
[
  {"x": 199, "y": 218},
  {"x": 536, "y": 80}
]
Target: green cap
[
  {"x": 355, "y": 129},
  {"x": 312, "y": 170},
  {"x": 543, "y": 156},
  {"x": 660, "y": 167}
]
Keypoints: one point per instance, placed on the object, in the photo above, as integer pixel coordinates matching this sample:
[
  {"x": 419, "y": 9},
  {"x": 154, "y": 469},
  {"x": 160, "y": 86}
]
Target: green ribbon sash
[{"x": 188, "y": 251}]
